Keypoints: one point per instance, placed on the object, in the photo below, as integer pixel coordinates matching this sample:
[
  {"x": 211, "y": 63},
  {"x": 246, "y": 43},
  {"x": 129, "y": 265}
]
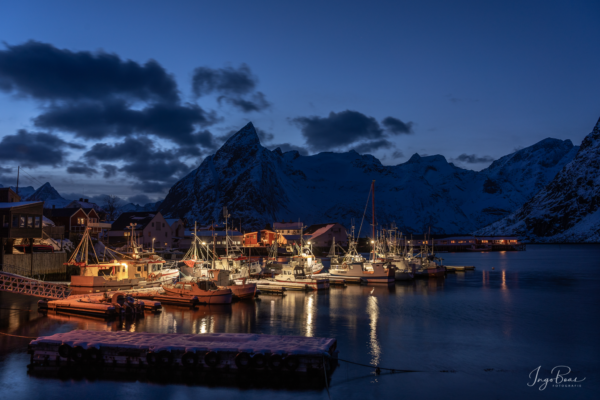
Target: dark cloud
[
  {"x": 474, "y": 159},
  {"x": 257, "y": 102},
  {"x": 78, "y": 167},
  {"x": 32, "y": 149},
  {"x": 139, "y": 199},
  {"x": 92, "y": 120},
  {"x": 5, "y": 171},
  {"x": 373, "y": 145},
  {"x": 397, "y": 154},
  {"x": 227, "y": 81},
  {"x": 109, "y": 170},
  {"x": 154, "y": 168},
  {"x": 45, "y": 72},
  {"x": 264, "y": 136},
  {"x": 234, "y": 86},
  {"x": 397, "y": 127},
  {"x": 285, "y": 147},
  {"x": 338, "y": 130}
]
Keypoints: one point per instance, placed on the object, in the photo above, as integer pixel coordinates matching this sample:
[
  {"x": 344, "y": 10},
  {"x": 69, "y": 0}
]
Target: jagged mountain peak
[
  {"x": 247, "y": 136},
  {"x": 45, "y": 192},
  {"x": 415, "y": 158}
]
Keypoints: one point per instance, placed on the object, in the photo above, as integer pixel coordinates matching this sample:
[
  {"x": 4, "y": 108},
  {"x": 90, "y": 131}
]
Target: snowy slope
[
  {"x": 260, "y": 186},
  {"x": 24, "y": 191},
  {"x": 49, "y": 196},
  {"x": 568, "y": 208},
  {"x": 129, "y": 207}
]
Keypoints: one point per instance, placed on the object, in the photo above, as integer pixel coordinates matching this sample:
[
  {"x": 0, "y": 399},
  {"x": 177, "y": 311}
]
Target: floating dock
[
  {"x": 214, "y": 351},
  {"x": 102, "y": 305}
]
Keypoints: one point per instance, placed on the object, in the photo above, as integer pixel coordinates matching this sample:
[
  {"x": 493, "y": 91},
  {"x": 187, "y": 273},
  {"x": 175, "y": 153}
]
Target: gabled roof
[{"x": 141, "y": 218}]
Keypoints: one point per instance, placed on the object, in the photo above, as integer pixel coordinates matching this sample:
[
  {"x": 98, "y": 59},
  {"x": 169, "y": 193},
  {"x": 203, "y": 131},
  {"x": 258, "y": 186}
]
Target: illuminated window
[
  {"x": 30, "y": 222},
  {"x": 22, "y": 221},
  {"x": 37, "y": 221}
]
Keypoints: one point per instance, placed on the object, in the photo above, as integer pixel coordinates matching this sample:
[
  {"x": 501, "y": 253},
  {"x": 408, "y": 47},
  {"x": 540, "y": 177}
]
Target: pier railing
[{"x": 11, "y": 282}]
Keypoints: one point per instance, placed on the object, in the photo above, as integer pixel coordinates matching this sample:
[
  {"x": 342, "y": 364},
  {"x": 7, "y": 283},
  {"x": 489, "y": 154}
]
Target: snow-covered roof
[
  {"x": 321, "y": 230},
  {"x": 19, "y": 204},
  {"x": 47, "y": 221}
]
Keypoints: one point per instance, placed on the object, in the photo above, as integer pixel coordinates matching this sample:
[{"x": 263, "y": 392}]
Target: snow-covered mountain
[
  {"x": 24, "y": 191},
  {"x": 568, "y": 208},
  {"x": 49, "y": 196},
  {"x": 129, "y": 207},
  {"x": 260, "y": 186}
]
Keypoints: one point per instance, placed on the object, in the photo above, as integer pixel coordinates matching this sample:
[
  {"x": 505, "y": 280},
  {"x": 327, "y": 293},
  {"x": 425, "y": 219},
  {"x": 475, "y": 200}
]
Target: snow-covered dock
[{"x": 215, "y": 351}]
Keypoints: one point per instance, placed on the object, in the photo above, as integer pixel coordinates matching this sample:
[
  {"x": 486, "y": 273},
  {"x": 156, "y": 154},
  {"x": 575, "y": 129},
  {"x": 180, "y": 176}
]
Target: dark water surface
[{"x": 487, "y": 329}]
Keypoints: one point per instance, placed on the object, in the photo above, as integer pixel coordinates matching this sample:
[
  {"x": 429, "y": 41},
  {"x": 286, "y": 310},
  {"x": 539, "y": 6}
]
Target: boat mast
[
  {"x": 195, "y": 241},
  {"x": 373, "y": 209}
]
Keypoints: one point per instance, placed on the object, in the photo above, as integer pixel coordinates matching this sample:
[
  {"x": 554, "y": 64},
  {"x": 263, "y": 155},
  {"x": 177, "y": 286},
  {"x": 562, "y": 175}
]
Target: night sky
[{"x": 127, "y": 97}]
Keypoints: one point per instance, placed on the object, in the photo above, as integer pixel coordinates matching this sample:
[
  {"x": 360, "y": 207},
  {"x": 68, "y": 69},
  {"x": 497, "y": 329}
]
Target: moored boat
[{"x": 206, "y": 291}]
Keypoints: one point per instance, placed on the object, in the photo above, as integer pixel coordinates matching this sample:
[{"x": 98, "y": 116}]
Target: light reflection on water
[
  {"x": 536, "y": 307},
  {"x": 373, "y": 311}
]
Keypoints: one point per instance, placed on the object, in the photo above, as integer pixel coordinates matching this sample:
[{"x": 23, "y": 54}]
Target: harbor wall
[{"x": 43, "y": 264}]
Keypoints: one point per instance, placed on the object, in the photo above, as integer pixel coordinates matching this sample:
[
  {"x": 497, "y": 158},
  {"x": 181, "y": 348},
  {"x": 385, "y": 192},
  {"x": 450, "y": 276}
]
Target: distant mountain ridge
[
  {"x": 568, "y": 208},
  {"x": 260, "y": 186}
]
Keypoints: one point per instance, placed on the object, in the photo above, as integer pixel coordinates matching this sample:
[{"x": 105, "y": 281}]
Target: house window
[
  {"x": 30, "y": 221},
  {"x": 127, "y": 234},
  {"x": 139, "y": 269},
  {"x": 22, "y": 221},
  {"x": 148, "y": 234},
  {"x": 37, "y": 222}
]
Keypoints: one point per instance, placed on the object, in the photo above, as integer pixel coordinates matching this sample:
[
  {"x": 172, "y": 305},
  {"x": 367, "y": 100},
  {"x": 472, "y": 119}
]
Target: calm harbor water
[{"x": 477, "y": 335}]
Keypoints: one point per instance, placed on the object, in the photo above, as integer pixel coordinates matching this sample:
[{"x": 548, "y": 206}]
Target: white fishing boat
[{"x": 295, "y": 277}]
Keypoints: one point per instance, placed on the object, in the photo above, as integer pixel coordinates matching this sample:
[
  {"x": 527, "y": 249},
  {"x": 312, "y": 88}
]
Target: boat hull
[
  {"x": 245, "y": 291},
  {"x": 318, "y": 284}
]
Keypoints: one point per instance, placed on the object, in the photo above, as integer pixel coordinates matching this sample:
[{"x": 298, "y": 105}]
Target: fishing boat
[
  {"x": 297, "y": 275},
  {"x": 206, "y": 291},
  {"x": 135, "y": 269},
  {"x": 196, "y": 261},
  {"x": 355, "y": 266},
  {"x": 240, "y": 287}
]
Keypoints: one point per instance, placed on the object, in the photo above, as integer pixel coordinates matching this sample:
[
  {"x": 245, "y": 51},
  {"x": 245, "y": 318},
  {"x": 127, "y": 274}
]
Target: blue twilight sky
[{"x": 470, "y": 80}]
